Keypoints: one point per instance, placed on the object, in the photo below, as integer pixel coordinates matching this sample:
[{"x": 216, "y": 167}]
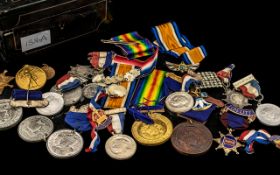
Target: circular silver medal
[
  {"x": 90, "y": 90},
  {"x": 9, "y": 116},
  {"x": 55, "y": 105},
  {"x": 65, "y": 143},
  {"x": 35, "y": 128},
  {"x": 268, "y": 114},
  {"x": 70, "y": 97},
  {"x": 120, "y": 147},
  {"x": 179, "y": 102},
  {"x": 236, "y": 99}
]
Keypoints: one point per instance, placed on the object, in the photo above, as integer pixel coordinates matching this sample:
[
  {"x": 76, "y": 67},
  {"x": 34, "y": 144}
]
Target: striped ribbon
[
  {"x": 171, "y": 41},
  {"x": 251, "y": 90},
  {"x": 67, "y": 83},
  {"x": 133, "y": 45},
  {"x": 149, "y": 89},
  {"x": 251, "y": 136},
  {"x": 226, "y": 74}
]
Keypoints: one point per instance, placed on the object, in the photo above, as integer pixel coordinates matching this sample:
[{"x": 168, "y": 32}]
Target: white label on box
[{"x": 35, "y": 40}]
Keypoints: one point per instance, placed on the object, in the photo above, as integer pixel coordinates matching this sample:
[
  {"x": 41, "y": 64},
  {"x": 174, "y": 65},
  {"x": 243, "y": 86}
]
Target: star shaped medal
[
  {"x": 4, "y": 81},
  {"x": 228, "y": 143}
]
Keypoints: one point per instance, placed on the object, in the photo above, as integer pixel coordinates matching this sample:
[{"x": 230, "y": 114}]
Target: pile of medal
[{"x": 127, "y": 83}]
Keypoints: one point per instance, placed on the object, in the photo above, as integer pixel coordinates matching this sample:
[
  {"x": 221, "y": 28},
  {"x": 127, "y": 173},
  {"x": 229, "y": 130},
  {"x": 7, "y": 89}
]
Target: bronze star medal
[
  {"x": 4, "y": 81},
  {"x": 228, "y": 143}
]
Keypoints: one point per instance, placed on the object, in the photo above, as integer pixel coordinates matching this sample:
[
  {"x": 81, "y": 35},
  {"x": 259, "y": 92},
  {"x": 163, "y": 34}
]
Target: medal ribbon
[
  {"x": 251, "y": 136},
  {"x": 233, "y": 121},
  {"x": 133, "y": 45},
  {"x": 200, "y": 116},
  {"x": 226, "y": 74},
  {"x": 19, "y": 94},
  {"x": 171, "y": 41},
  {"x": 187, "y": 82},
  {"x": 100, "y": 60},
  {"x": 67, "y": 83},
  {"x": 251, "y": 90}
]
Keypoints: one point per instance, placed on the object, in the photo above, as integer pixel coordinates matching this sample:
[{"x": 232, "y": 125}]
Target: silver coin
[
  {"x": 9, "y": 116},
  {"x": 35, "y": 128},
  {"x": 268, "y": 114},
  {"x": 236, "y": 99},
  {"x": 56, "y": 104},
  {"x": 70, "y": 97},
  {"x": 90, "y": 90},
  {"x": 179, "y": 102},
  {"x": 120, "y": 147},
  {"x": 65, "y": 143}
]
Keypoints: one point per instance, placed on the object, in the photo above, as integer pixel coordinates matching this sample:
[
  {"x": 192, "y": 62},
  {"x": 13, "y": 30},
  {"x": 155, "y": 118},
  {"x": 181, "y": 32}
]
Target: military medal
[
  {"x": 70, "y": 97},
  {"x": 31, "y": 78},
  {"x": 179, "y": 102},
  {"x": 191, "y": 138},
  {"x": 120, "y": 147},
  {"x": 268, "y": 114},
  {"x": 64, "y": 143},
  {"x": 90, "y": 90},
  {"x": 152, "y": 134},
  {"x": 228, "y": 143},
  {"x": 35, "y": 128},
  {"x": 4, "y": 81},
  {"x": 50, "y": 72},
  {"x": 55, "y": 105},
  {"x": 236, "y": 99},
  {"x": 9, "y": 116}
]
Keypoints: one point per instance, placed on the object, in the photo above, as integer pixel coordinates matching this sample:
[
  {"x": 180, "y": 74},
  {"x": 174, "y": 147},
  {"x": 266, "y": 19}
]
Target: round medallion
[
  {"x": 31, "y": 78},
  {"x": 50, "y": 72},
  {"x": 268, "y": 114},
  {"x": 65, "y": 143},
  {"x": 55, "y": 105},
  {"x": 9, "y": 116},
  {"x": 35, "y": 128},
  {"x": 120, "y": 147},
  {"x": 90, "y": 90},
  {"x": 179, "y": 102},
  {"x": 70, "y": 97},
  {"x": 191, "y": 138},
  {"x": 236, "y": 99},
  {"x": 152, "y": 134}
]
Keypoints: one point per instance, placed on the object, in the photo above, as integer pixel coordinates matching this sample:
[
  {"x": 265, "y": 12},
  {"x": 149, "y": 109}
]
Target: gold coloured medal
[
  {"x": 50, "y": 72},
  {"x": 31, "y": 78},
  {"x": 152, "y": 134}
]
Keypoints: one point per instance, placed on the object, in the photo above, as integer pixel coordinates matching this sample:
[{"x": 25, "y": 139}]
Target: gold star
[
  {"x": 228, "y": 143},
  {"x": 4, "y": 81}
]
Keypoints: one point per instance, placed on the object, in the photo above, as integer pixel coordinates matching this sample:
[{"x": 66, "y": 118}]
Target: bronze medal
[
  {"x": 191, "y": 138},
  {"x": 50, "y": 72}
]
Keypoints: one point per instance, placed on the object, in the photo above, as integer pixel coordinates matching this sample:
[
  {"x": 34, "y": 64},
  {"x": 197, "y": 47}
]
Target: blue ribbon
[
  {"x": 200, "y": 116},
  {"x": 78, "y": 121},
  {"x": 140, "y": 116},
  {"x": 19, "y": 94}
]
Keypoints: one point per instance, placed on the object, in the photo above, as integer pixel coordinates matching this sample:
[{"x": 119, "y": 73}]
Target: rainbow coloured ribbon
[
  {"x": 133, "y": 45},
  {"x": 149, "y": 89},
  {"x": 171, "y": 41},
  {"x": 251, "y": 136}
]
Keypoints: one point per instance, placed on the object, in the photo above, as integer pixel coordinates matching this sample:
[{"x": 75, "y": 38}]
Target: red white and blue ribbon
[
  {"x": 251, "y": 136},
  {"x": 67, "y": 83},
  {"x": 226, "y": 74},
  {"x": 110, "y": 59},
  {"x": 251, "y": 90}
]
